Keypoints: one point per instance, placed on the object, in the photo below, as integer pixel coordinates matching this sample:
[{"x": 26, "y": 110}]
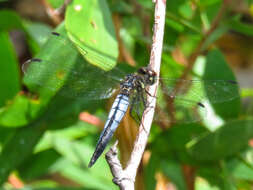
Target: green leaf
[
  {"x": 84, "y": 177},
  {"x": 37, "y": 164},
  {"x": 19, "y": 147},
  {"x": 150, "y": 171},
  {"x": 45, "y": 186},
  {"x": 217, "y": 176},
  {"x": 48, "y": 77},
  {"x": 56, "y": 3},
  {"x": 190, "y": 42},
  {"x": 170, "y": 68},
  {"x": 182, "y": 22},
  {"x": 96, "y": 39},
  {"x": 175, "y": 25},
  {"x": 205, "y": 3},
  {"x": 5, "y": 134},
  {"x": 19, "y": 112},
  {"x": 175, "y": 140},
  {"x": 241, "y": 167},
  {"x": 9, "y": 71},
  {"x": 186, "y": 10},
  {"x": 77, "y": 156},
  {"x": 173, "y": 171},
  {"x": 174, "y": 6},
  {"x": 77, "y": 130},
  {"x": 240, "y": 170},
  {"x": 215, "y": 35},
  {"x": 121, "y": 7},
  {"x": 241, "y": 27},
  {"x": 222, "y": 142},
  {"x": 10, "y": 20},
  {"x": 72, "y": 78},
  {"x": 38, "y": 33},
  {"x": 217, "y": 69},
  {"x": 213, "y": 174}
]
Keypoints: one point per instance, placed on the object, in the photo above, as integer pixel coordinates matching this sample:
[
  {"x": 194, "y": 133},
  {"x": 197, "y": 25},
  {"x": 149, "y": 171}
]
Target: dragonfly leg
[
  {"x": 149, "y": 93},
  {"x": 145, "y": 101},
  {"x": 134, "y": 101}
]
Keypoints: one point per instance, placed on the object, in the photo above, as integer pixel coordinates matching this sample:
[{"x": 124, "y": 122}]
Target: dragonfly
[{"x": 85, "y": 81}]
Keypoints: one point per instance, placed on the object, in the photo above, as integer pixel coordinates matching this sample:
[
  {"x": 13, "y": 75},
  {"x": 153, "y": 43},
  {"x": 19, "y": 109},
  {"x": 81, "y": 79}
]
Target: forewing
[
  {"x": 198, "y": 90},
  {"x": 60, "y": 68}
]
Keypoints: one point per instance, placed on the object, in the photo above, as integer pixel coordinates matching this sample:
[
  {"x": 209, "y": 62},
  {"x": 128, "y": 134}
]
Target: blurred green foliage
[{"x": 41, "y": 135}]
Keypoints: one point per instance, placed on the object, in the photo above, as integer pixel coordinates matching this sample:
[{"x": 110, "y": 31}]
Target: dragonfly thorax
[
  {"x": 138, "y": 81},
  {"x": 149, "y": 77}
]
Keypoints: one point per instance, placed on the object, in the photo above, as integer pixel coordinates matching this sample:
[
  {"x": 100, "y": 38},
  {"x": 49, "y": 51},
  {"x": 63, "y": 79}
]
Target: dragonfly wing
[
  {"x": 179, "y": 110},
  {"x": 81, "y": 81},
  {"x": 221, "y": 90},
  {"x": 60, "y": 68},
  {"x": 198, "y": 90},
  {"x": 138, "y": 103},
  {"x": 183, "y": 99},
  {"x": 182, "y": 110}
]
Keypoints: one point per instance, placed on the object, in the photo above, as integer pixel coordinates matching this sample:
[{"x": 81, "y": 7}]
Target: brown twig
[
  {"x": 61, "y": 10},
  {"x": 189, "y": 176},
  {"x": 169, "y": 104},
  {"x": 123, "y": 52},
  {"x": 162, "y": 121},
  {"x": 140, "y": 12},
  {"x": 199, "y": 49},
  {"x": 56, "y": 15},
  {"x": 125, "y": 178}
]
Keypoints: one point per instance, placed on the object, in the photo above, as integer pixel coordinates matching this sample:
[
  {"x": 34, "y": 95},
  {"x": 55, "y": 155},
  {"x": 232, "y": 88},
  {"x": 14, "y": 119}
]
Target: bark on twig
[
  {"x": 56, "y": 15},
  {"x": 61, "y": 10},
  {"x": 125, "y": 178},
  {"x": 124, "y": 55}
]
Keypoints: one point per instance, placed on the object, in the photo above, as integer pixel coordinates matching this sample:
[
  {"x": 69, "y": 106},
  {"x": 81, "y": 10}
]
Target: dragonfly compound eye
[
  {"x": 142, "y": 70},
  {"x": 152, "y": 80},
  {"x": 151, "y": 77}
]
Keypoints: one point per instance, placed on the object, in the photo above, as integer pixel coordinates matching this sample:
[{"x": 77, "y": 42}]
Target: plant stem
[{"x": 125, "y": 178}]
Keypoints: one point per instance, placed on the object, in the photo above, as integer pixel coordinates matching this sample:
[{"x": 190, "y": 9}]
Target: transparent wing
[
  {"x": 184, "y": 103},
  {"x": 60, "y": 68},
  {"x": 83, "y": 81},
  {"x": 183, "y": 100},
  {"x": 178, "y": 110},
  {"x": 198, "y": 90},
  {"x": 90, "y": 54},
  {"x": 137, "y": 105}
]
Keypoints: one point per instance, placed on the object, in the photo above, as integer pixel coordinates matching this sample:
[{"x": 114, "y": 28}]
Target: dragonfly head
[{"x": 149, "y": 75}]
